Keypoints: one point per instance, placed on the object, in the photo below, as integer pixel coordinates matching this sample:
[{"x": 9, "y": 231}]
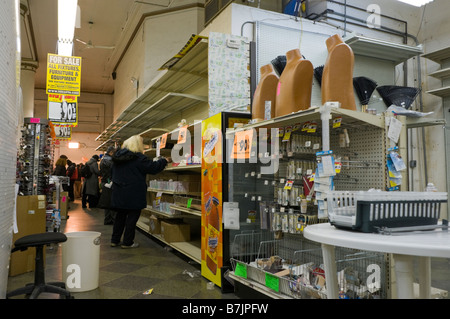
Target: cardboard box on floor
[
  {"x": 175, "y": 230},
  {"x": 64, "y": 202},
  {"x": 31, "y": 219}
]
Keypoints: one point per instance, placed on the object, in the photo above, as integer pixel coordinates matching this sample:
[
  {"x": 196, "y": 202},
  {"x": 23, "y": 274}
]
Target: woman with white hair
[{"x": 129, "y": 190}]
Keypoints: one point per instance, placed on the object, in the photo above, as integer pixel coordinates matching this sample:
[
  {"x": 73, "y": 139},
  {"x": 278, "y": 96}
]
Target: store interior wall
[
  {"x": 10, "y": 108},
  {"x": 159, "y": 38}
]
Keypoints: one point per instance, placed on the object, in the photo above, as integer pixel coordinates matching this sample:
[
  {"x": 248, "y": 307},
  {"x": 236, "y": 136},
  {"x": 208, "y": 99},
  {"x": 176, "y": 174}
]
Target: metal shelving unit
[
  {"x": 368, "y": 144},
  {"x": 170, "y": 92},
  {"x": 380, "y": 49},
  {"x": 192, "y": 248}
]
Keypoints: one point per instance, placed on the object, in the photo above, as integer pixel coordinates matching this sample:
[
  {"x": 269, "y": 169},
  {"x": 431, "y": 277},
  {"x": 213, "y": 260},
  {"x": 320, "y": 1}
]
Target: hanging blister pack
[
  {"x": 395, "y": 177},
  {"x": 397, "y": 160},
  {"x": 323, "y": 179}
]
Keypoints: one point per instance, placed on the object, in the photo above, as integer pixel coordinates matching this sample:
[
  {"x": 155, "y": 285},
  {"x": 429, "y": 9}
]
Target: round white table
[{"x": 404, "y": 247}]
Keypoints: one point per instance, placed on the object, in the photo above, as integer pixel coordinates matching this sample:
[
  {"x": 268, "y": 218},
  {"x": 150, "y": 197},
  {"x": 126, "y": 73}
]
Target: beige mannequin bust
[
  {"x": 337, "y": 77},
  {"x": 295, "y": 84},
  {"x": 265, "y": 91}
]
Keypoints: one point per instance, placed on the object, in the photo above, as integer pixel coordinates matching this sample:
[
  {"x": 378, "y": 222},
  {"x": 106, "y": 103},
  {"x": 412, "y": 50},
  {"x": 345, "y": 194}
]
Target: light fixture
[
  {"x": 74, "y": 145},
  {"x": 417, "y": 3},
  {"x": 67, "y": 17}
]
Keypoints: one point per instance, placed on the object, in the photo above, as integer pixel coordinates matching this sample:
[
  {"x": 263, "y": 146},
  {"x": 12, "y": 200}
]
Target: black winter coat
[
  {"x": 59, "y": 170},
  {"x": 105, "y": 168},
  {"x": 129, "y": 172}
]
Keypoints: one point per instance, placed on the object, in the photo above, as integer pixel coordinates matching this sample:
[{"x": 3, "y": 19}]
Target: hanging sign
[
  {"x": 63, "y": 132},
  {"x": 63, "y": 109},
  {"x": 63, "y": 75}
]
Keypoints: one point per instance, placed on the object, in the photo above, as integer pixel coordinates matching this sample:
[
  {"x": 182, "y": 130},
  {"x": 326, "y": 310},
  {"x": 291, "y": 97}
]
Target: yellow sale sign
[{"x": 63, "y": 75}]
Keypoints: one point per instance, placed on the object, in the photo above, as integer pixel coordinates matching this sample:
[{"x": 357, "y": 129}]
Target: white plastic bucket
[{"x": 81, "y": 260}]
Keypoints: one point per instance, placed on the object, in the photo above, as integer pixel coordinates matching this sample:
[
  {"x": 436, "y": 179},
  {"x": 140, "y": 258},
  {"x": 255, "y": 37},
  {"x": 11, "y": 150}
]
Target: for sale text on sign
[{"x": 63, "y": 75}]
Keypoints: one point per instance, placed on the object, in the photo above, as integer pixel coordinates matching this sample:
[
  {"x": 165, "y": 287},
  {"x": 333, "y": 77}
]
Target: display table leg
[
  {"x": 425, "y": 277},
  {"x": 404, "y": 274},
  {"x": 329, "y": 261}
]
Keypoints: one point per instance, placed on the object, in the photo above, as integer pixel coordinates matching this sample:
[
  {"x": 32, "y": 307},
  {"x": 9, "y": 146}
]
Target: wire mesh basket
[
  {"x": 373, "y": 210},
  {"x": 297, "y": 264}
]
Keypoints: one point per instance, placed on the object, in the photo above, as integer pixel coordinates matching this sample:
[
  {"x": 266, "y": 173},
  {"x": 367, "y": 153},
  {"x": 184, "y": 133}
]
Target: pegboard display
[
  {"x": 10, "y": 108},
  {"x": 34, "y": 157},
  {"x": 280, "y": 205},
  {"x": 363, "y": 161}
]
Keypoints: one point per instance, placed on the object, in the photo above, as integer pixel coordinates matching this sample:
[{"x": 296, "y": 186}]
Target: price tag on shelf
[
  {"x": 240, "y": 270},
  {"x": 305, "y": 126},
  {"x": 163, "y": 141},
  {"x": 337, "y": 122},
  {"x": 312, "y": 127},
  {"x": 182, "y": 135},
  {"x": 242, "y": 144},
  {"x": 272, "y": 282},
  {"x": 288, "y": 185},
  {"x": 287, "y": 134},
  {"x": 280, "y": 132}
]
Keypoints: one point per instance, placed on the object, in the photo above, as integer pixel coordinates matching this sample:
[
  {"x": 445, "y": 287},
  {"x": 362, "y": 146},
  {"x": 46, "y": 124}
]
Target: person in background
[
  {"x": 60, "y": 167},
  {"x": 105, "y": 171},
  {"x": 77, "y": 183},
  {"x": 72, "y": 174},
  {"x": 129, "y": 171},
  {"x": 91, "y": 186},
  {"x": 83, "y": 188}
]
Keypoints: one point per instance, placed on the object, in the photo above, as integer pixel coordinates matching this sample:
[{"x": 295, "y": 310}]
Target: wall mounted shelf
[
  {"x": 380, "y": 49},
  {"x": 166, "y": 94}
]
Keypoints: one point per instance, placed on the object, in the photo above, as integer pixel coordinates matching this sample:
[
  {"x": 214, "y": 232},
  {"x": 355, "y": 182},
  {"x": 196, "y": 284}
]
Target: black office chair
[{"x": 33, "y": 290}]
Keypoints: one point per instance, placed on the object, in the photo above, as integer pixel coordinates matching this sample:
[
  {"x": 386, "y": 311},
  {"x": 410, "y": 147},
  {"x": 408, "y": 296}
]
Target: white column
[{"x": 27, "y": 82}]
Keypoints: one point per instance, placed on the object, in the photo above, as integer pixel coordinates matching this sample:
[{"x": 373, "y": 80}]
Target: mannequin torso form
[
  {"x": 337, "y": 77},
  {"x": 265, "y": 91},
  {"x": 295, "y": 84}
]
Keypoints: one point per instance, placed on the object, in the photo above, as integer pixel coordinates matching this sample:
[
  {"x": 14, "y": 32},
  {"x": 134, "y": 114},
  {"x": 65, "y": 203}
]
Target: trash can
[{"x": 80, "y": 260}]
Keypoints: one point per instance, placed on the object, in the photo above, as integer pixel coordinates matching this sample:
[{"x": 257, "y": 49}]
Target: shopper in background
[
  {"x": 129, "y": 171},
  {"x": 83, "y": 187},
  {"x": 91, "y": 186},
  {"x": 60, "y": 167},
  {"x": 105, "y": 171},
  {"x": 77, "y": 183},
  {"x": 72, "y": 174}
]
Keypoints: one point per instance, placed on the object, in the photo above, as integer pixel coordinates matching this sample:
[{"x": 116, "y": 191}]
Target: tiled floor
[{"x": 127, "y": 273}]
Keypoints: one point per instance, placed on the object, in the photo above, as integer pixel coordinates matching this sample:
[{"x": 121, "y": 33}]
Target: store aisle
[{"x": 127, "y": 273}]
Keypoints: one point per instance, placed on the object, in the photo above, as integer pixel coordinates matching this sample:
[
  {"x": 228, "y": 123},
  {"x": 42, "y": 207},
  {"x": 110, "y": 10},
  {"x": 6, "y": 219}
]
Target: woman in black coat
[
  {"x": 129, "y": 171},
  {"x": 60, "y": 167}
]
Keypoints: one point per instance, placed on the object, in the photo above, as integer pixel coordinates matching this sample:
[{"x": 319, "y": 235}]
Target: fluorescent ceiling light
[
  {"x": 417, "y": 3},
  {"x": 67, "y": 16},
  {"x": 74, "y": 145},
  {"x": 65, "y": 49}
]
